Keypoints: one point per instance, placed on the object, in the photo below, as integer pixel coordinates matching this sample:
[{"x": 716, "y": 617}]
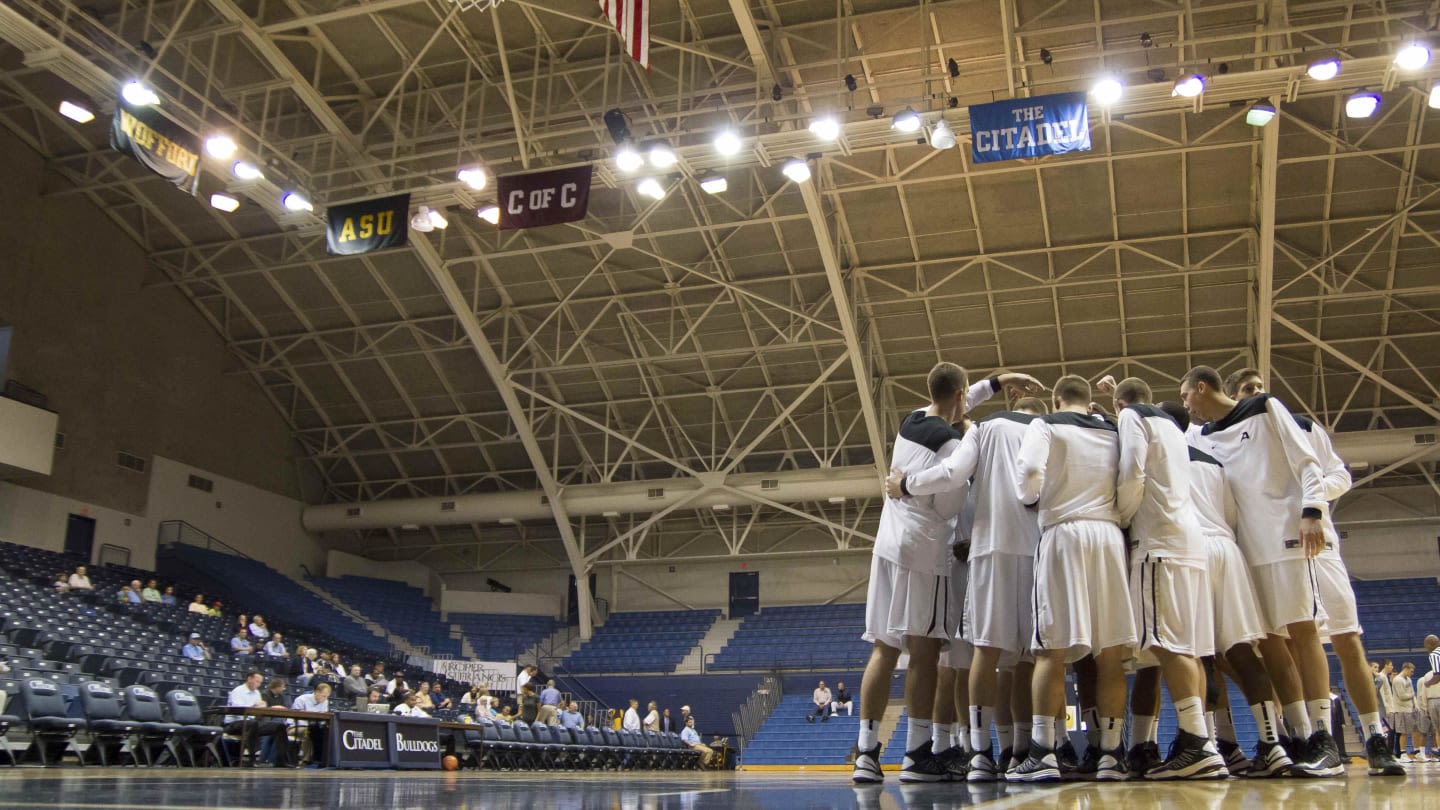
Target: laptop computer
[{"x": 377, "y": 708}]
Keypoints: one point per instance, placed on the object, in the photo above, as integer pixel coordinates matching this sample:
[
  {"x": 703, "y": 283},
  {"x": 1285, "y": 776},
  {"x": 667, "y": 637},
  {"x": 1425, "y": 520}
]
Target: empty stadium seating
[
  {"x": 651, "y": 641},
  {"x": 400, "y": 608},
  {"x": 804, "y": 637},
  {"x": 711, "y": 698},
  {"x": 498, "y": 637},
  {"x": 1397, "y": 614}
]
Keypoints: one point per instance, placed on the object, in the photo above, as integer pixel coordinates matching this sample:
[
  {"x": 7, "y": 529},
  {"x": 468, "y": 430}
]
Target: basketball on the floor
[{"x": 450, "y": 763}]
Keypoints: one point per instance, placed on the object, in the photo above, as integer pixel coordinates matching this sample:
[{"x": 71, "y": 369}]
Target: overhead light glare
[
  {"x": 796, "y": 169},
  {"x": 650, "y": 187},
  {"x": 220, "y": 147},
  {"x": 1435, "y": 96},
  {"x": 428, "y": 219},
  {"x": 660, "y": 155},
  {"x": 714, "y": 184},
  {"x": 1107, "y": 91},
  {"x": 76, "y": 112},
  {"x": 907, "y": 120},
  {"x": 1323, "y": 70},
  {"x": 1412, "y": 56},
  {"x": 627, "y": 159},
  {"x": 941, "y": 137},
  {"x": 1189, "y": 85},
  {"x": 489, "y": 213},
  {"x": 1260, "y": 114},
  {"x": 295, "y": 201},
  {"x": 138, "y": 95},
  {"x": 245, "y": 170},
  {"x": 826, "y": 128},
  {"x": 472, "y": 176},
  {"x": 727, "y": 143},
  {"x": 224, "y": 202},
  {"x": 1362, "y": 104}
]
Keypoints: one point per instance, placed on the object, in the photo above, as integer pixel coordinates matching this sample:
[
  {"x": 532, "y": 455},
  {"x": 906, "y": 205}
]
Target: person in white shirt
[
  {"x": 691, "y": 738},
  {"x": 197, "y": 605},
  {"x": 1340, "y": 626},
  {"x": 318, "y": 701},
  {"x": 652, "y": 717},
  {"x": 1429, "y": 688},
  {"x": 526, "y": 675},
  {"x": 275, "y": 647},
  {"x": 821, "y": 704},
  {"x": 257, "y": 628},
  {"x": 411, "y": 707},
  {"x": 245, "y": 696},
  {"x": 631, "y": 721},
  {"x": 80, "y": 581},
  {"x": 1068, "y": 465}
]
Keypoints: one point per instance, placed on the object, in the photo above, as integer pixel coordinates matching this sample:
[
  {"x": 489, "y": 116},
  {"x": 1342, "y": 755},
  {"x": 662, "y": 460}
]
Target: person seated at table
[
  {"x": 354, "y": 686},
  {"x": 411, "y": 707},
  {"x": 275, "y": 748},
  {"x": 375, "y": 697},
  {"x": 317, "y": 700},
  {"x": 248, "y": 695}
]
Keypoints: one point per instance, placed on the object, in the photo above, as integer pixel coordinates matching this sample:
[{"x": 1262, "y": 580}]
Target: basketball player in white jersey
[
  {"x": 1332, "y": 579},
  {"x": 1067, "y": 468},
  {"x": 998, "y": 617},
  {"x": 1279, "y": 489}
]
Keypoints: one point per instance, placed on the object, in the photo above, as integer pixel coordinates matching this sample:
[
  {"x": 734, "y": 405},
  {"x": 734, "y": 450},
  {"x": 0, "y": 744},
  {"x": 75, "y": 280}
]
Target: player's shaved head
[
  {"x": 1072, "y": 390},
  {"x": 1133, "y": 391},
  {"x": 1032, "y": 405},
  {"x": 945, "y": 381}
]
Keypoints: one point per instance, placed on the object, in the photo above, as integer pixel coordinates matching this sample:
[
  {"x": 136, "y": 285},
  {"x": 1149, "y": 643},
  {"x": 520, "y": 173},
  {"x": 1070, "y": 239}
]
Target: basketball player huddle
[{"x": 1179, "y": 541}]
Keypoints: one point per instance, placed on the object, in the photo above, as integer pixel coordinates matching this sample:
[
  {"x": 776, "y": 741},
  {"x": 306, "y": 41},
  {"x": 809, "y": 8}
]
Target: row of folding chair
[{"x": 537, "y": 746}]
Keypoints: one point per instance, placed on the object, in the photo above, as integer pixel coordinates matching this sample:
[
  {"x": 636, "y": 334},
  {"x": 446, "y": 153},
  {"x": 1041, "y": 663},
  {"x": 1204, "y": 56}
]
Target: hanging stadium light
[
  {"x": 627, "y": 159},
  {"x": 489, "y": 213},
  {"x": 907, "y": 120},
  {"x": 1189, "y": 85},
  {"x": 245, "y": 170},
  {"x": 1107, "y": 91},
  {"x": 1362, "y": 104},
  {"x": 727, "y": 142},
  {"x": 650, "y": 187},
  {"x": 941, "y": 136},
  {"x": 660, "y": 155},
  {"x": 76, "y": 112},
  {"x": 295, "y": 201},
  {"x": 714, "y": 183},
  {"x": 1435, "y": 96},
  {"x": 1324, "y": 69},
  {"x": 1260, "y": 114},
  {"x": 1412, "y": 56},
  {"x": 220, "y": 146},
  {"x": 796, "y": 169},
  {"x": 224, "y": 202},
  {"x": 138, "y": 95},
  {"x": 826, "y": 128},
  {"x": 472, "y": 176}
]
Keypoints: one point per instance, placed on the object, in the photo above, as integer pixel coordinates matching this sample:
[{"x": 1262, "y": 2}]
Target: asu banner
[
  {"x": 544, "y": 198},
  {"x": 1029, "y": 127},
  {"x": 368, "y": 225},
  {"x": 155, "y": 141}
]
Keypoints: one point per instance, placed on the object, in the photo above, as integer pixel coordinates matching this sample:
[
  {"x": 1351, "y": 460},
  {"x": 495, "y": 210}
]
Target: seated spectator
[
  {"x": 377, "y": 675},
  {"x": 247, "y": 695},
  {"x": 691, "y": 738},
  {"x": 423, "y": 695},
  {"x": 549, "y": 705},
  {"x": 275, "y": 748},
  {"x": 258, "y": 629},
  {"x": 507, "y": 714},
  {"x": 128, "y": 595},
  {"x": 374, "y": 697},
  {"x": 309, "y": 666},
  {"x": 151, "y": 592},
  {"x": 242, "y": 622},
  {"x": 240, "y": 644},
  {"x": 438, "y": 697},
  {"x": 297, "y": 661},
  {"x": 354, "y": 686},
  {"x": 821, "y": 698},
  {"x": 316, "y": 700},
  {"x": 275, "y": 647},
  {"x": 684, "y": 715},
  {"x": 79, "y": 581},
  {"x": 168, "y": 598},
  {"x": 336, "y": 664},
  {"x": 842, "y": 700},
  {"x": 396, "y": 690},
  {"x": 62, "y": 583},
  {"x": 215, "y": 609},
  {"x": 194, "y": 649},
  {"x": 472, "y": 695},
  {"x": 410, "y": 707},
  {"x": 570, "y": 718},
  {"x": 198, "y": 605}
]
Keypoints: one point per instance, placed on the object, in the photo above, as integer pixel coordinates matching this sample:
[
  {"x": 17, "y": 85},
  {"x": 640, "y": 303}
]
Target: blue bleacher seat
[{"x": 646, "y": 641}]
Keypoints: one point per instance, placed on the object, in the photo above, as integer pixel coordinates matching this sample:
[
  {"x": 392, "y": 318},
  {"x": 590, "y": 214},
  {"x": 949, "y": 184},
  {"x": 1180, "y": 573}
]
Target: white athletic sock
[
  {"x": 867, "y": 734},
  {"x": 917, "y": 734},
  {"x": 1191, "y": 715},
  {"x": 939, "y": 737},
  {"x": 1005, "y": 735},
  {"x": 1091, "y": 716},
  {"x": 1142, "y": 728},
  {"x": 1023, "y": 734},
  {"x": 1266, "y": 720},
  {"x": 960, "y": 737},
  {"x": 1370, "y": 721},
  {"x": 1297, "y": 719},
  {"x": 1319, "y": 711},
  {"x": 981, "y": 718},
  {"x": 1225, "y": 725},
  {"x": 1043, "y": 732},
  {"x": 1111, "y": 729}
]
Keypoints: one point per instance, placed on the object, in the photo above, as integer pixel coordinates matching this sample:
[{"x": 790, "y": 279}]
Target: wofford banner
[
  {"x": 1030, "y": 127},
  {"x": 155, "y": 141},
  {"x": 544, "y": 198},
  {"x": 368, "y": 225}
]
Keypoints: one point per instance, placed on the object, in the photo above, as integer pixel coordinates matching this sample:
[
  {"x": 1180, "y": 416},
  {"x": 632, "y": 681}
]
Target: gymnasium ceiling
[{"x": 702, "y": 332}]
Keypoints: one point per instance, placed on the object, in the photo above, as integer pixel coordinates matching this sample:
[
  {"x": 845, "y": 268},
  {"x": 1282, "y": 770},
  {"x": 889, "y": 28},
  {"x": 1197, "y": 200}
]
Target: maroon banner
[{"x": 544, "y": 198}]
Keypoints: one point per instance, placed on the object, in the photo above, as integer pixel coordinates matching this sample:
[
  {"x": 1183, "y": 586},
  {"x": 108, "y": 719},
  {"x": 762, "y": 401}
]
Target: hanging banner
[
  {"x": 155, "y": 141},
  {"x": 496, "y": 675},
  {"x": 544, "y": 198},
  {"x": 1029, "y": 127},
  {"x": 368, "y": 225}
]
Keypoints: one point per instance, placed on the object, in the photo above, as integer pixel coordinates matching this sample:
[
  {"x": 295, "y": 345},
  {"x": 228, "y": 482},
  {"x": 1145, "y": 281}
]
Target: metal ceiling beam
[{"x": 1265, "y": 264}]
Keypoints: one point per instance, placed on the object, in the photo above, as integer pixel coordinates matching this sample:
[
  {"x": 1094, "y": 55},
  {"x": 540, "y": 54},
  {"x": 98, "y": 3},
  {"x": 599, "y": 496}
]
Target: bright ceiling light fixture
[
  {"x": 1324, "y": 69},
  {"x": 472, "y": 176},
  {"x": 1412, "y": 56},
  {"x": 825, "y": 128},
  {"x": 76, "y": 112},
  {"x": 627, "y": 159},
  {"x": 1362, "y": 104},
  {"x": 489, "y": 213},
  {"x": 650, "y": 187},
  {"x": 245, "y": 170},
  {"x": 714, "y": 184},
  {"x": 220, "y": 147},
  {"x": 1189, "y": 85},
  {"x": 941, "y": 136},
  {"x": 224, "y": 202},
  {"x": 727, "y": 143},
  {"x": 138, "y": 95},
  {"x": 1107, "y": 91},
  {"x": 660, "y": 155},
  {"x": 1260, "y": 114},
  {"x": 428, "y": 219},
  {"x": 907, "y": 120},
  {"x": 796, "y": 169},
  {"x": 1435, "y": 96},
  {"x": 295, "y": 201}
]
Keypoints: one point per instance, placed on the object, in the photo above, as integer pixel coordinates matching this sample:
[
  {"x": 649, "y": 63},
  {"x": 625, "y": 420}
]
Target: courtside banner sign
[
  {"x": 368, "y": 225},
  {"x": 544, "y": 198},
  {"x": 152, "y": 139},
  {"x": 1029, "y": 127}
]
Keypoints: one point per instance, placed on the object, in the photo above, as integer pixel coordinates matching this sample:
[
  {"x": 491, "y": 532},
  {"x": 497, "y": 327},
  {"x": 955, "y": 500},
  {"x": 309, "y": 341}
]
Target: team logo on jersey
[{"x": 1244, "y": 434}]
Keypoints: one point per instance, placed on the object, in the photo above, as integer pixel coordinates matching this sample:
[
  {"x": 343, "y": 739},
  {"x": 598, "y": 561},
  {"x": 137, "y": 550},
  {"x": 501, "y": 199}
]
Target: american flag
[{"x": 632, "y": 19}]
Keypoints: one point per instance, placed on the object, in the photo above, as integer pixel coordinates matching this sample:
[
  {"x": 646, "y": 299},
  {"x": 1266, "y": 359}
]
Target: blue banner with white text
[{"x": 1029, "y": 127}]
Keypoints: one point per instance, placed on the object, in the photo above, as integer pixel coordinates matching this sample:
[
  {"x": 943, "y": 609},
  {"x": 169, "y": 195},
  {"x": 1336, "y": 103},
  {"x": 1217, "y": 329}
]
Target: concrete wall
[
  {"x": 36, "y": 518},
  {"x": 419, "y": 575},
  {"x": 517, "y": 604}
]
